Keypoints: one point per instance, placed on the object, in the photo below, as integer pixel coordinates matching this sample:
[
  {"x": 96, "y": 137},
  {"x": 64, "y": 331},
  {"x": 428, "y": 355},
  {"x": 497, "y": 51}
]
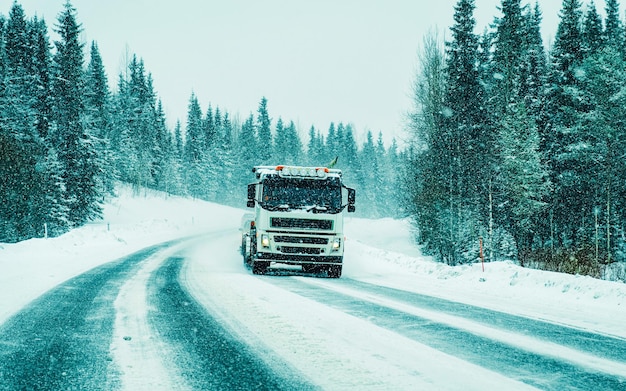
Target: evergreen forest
[
  {"x": 519, "y": 152},
  {"x": 516, "y": 151}
]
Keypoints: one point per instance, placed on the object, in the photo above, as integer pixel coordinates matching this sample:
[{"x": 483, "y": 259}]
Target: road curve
[{"x": 70, "y": 338}]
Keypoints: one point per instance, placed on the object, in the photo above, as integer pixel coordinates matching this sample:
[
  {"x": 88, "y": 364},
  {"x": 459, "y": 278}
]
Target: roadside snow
[
  {"x": 130, "y": 222},
  {"x": 375, "y": 256}
]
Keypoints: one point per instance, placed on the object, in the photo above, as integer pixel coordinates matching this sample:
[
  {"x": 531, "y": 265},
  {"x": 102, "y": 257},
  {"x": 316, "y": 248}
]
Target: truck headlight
[
  {"x": 336, "y": 244},
  {"x": 265, "y": 240}
]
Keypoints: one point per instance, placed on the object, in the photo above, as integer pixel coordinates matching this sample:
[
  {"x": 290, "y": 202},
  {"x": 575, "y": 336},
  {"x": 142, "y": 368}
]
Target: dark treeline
[
  {"x": 66, "y": 138},
  {"x": 521, "y": 147}
]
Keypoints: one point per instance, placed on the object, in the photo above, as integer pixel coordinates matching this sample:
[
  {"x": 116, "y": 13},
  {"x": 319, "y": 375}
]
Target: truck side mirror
[
  {"x": 351, "y": 200},
  {"x": 251, "y": 194}
]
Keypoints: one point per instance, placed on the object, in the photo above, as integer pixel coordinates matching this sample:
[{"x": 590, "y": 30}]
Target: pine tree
[
  {"x": 195, "y": 154},
  {"x": 369, "y": 177},
  {"x": 178, "y": 140},
  {"x": 75, "y": 147},
  {"x": 247, "y": 149},
  {"x": 613, "y": 31},
  {"x": 315, "y": 148},
  {"x": 536, "y": 66},
  {"x": 522, "y": 182},
  {"x": 98, "y": 117},
  {"x": 592, "y": 40},
  {"x": 280, "y": 142},
  {"x": 210, "y": 129},
  {"x": 264, "y": 133},
  {"x": 293, "y": 145},
  {"x": 229, "y": 191},
  {"x": 350, "y": 162},
  {"x": 384, "y": 179},
  {"x": 42, "y": 64},
  {"x": 331, "y": 150},
  {"x": 567, "y": 51},
  {"x": 508, "y": 50},
  {"x": 21, "y": 202},
  {"x": 563, "y": 108},
  {"x": 468, "y": 139}
]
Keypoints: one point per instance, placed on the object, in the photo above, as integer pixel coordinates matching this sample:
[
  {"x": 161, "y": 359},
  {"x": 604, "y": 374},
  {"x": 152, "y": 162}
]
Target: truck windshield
[{"x": 315, "y": 195}]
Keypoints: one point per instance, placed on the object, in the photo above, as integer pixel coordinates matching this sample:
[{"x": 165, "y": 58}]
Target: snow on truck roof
[{"x": 297, "y": 171}]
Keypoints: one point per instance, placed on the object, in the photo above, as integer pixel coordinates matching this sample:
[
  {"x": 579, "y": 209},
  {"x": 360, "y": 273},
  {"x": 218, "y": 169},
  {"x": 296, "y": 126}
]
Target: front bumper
[{"x": 295, "y": 259}]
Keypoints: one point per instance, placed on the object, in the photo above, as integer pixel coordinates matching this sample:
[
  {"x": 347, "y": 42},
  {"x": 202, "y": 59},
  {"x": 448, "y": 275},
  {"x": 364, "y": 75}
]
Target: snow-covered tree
[
  {"x": 264, "y": 133},
  {"x": 75, "y": 146},
  {"x": 522, "y": 182}
]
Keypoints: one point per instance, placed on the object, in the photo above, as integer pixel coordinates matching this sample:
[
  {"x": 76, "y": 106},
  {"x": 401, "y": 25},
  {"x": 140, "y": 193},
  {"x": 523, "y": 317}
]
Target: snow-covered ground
[{"x": 377, "y": 251}]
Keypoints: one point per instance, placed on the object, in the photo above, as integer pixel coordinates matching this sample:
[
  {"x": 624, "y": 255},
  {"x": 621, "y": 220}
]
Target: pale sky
[{"x": 316, "y": 62}]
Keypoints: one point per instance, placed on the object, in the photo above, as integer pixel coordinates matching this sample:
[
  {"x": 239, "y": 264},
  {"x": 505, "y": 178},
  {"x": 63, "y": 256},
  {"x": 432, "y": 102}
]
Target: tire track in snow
[
  {"x": 208, "y": 355},
  {"x": 541, "y": 364},
  {"x": 137, "y": 351},
  {"x": 61, "y": 340}
]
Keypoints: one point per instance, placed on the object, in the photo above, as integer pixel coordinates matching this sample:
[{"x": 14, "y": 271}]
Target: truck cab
[{"x": 297, "y": 219}]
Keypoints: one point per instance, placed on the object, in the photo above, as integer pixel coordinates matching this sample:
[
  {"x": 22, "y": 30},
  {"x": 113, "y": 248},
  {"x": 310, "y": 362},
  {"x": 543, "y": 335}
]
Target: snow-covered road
[
  {"x": 347, "y": 334},
  {"x": 112, "y": 309}
]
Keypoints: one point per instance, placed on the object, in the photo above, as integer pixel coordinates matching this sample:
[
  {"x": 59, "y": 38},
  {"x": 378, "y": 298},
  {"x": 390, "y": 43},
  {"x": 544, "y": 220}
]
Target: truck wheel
[
  {"x": 260, "y": 267},
  {"x": 244, "y": 251},
  {"x": 334, "y": 271}
]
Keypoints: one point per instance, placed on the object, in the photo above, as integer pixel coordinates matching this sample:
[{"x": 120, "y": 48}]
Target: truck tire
[
  {"x": 245, "y": 253},
  {"x": 334, "y": 271},
  {"x": 260, "y": 267}
]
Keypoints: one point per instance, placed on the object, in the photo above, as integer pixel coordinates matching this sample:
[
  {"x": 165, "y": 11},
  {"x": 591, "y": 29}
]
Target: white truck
[{"x": 298, "y": 219}]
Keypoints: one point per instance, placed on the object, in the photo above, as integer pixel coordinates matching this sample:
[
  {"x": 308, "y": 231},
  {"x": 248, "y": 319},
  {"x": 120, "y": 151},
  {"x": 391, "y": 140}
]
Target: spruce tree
[
  {"x": 247, "y": 149},
  {"x": 75, "y": 146},
  {"x": 315, "y": 148},
  {"x": 614, "y": 30},
  {"x": 370, "y": 174},
  {"x": 536, "y": 65},
  {"x": 98, "y": 117},
  {"x": 23, "y": 149},
  {"x": 280, "y": 143},
  {"x": 293, "y": 145},
  {"x": 350, "y": 162},
  {"x": 264, "y": 133},
  {"x": 592, "y": 34},
  {"x": 229, "y": 191},
  {"x": 563, "y": 108},
  {"x": 522, "y": 181},
  {"x": 42, "y": 64},
  {"x": 195, "y": 154},
  {"x": 509, "y": 72},
  {"x": 468, "y": 136}
]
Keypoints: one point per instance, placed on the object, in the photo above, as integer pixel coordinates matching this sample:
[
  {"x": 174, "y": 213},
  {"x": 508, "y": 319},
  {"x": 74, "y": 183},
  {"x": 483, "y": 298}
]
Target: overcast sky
[{"x": 315, "y": 61}]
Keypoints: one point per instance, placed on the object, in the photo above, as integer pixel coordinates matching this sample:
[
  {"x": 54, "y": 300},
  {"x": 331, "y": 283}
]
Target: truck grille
[
  {"x": 300, "y": 250},
  {"x": 301, "y": 240},
  {"x": 285, "y": 222}
]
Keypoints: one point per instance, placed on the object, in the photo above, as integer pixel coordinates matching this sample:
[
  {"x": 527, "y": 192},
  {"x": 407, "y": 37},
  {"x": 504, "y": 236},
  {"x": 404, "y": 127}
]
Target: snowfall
[{"x": 380, "y": 252}]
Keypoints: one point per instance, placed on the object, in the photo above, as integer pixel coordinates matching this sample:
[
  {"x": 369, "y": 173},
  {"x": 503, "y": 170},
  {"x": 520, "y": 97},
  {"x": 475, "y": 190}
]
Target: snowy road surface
[{"x": 187, "y": 315}]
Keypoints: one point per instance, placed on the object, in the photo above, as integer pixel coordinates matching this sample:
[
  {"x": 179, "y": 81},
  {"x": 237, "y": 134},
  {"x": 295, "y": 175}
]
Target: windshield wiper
[
  {"x": 272, "y": 208},
  {"x": 316, "y": 209}
]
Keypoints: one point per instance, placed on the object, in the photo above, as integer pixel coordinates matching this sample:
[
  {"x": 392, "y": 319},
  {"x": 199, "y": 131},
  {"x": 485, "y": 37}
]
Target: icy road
[{"x": 187, "y": 315}]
